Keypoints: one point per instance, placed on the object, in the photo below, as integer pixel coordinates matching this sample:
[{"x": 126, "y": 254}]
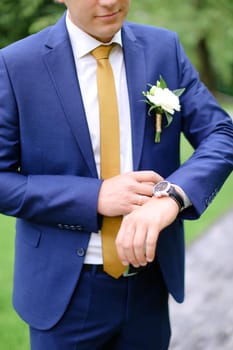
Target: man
[{"x": 50, "y": 178}]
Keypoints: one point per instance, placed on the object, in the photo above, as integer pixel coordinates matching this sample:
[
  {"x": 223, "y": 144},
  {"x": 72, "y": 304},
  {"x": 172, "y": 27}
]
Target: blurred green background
[
  {"x": 204, "y": 26},
  {"x": 206, "y": 32}
]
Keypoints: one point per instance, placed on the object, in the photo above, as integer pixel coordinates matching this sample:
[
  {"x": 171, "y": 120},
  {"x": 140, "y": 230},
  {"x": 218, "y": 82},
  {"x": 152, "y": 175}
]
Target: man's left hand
[{"x": 137, "y": 238}]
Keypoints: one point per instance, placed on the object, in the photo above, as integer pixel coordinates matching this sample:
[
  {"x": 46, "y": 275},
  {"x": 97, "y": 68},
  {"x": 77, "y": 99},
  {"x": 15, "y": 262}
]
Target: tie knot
[{"x": 102, "y": 52}]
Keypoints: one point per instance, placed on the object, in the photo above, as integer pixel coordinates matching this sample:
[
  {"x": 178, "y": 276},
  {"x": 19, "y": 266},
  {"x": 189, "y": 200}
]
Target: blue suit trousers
[{"x": 130, "y": 313}]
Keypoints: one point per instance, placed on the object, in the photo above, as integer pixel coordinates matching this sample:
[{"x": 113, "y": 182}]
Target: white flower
[
  {"x": 162, "y": 101},
  {"x": 164, "y": 98}
]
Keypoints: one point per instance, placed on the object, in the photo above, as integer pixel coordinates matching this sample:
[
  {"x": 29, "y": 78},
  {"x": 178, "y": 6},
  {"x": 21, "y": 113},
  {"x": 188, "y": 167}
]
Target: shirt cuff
[{"x": 187, "y": 201}]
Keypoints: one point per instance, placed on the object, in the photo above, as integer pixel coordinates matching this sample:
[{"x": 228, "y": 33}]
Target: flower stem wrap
[{"x": 158, "y": 126}]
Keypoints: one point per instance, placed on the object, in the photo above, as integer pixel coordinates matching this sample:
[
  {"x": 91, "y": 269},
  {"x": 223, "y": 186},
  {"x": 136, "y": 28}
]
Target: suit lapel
[
  {"x": 136, "y": 80},
  {"x": 59, "y": 60}
]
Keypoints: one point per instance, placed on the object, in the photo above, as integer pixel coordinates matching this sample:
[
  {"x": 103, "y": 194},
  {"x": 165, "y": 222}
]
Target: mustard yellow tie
[{"x": 109, "y": 152}]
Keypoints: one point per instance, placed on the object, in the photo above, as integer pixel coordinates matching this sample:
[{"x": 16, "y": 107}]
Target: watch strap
[{"x": 174, "y": 194}]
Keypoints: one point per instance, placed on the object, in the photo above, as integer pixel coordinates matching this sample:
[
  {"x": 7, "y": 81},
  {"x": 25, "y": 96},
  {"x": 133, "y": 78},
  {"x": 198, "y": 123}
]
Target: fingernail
[{"x": 125, "y": 263}]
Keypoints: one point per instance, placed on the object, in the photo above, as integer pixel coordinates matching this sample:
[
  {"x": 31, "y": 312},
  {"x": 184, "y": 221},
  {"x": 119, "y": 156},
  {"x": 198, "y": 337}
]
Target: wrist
[{"x": 166, "y": 189}]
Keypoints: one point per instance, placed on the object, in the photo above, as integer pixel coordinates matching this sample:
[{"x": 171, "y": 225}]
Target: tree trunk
[{"x": 206, "y": 69}]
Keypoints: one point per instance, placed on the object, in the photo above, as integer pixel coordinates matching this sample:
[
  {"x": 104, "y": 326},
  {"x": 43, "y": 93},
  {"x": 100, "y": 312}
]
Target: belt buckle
[
  {"x": 132, "y": 271},
  {"x": 127, "y": 272}
]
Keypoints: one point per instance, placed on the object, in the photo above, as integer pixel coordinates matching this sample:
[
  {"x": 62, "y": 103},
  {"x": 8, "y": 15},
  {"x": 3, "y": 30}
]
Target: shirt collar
[{"x": 84, "y": 43}]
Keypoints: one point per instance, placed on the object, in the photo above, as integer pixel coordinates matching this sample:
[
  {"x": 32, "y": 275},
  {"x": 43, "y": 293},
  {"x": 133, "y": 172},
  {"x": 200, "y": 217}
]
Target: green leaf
[
  {"x": 152, "y": 107},
  {"x": 178, "y": 92},
  {"x": 163, "y": 84},
  {"x": 169, "y": 118}
]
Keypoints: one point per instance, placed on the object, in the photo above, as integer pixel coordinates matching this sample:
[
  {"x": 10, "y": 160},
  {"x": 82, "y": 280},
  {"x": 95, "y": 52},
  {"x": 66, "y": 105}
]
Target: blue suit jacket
[{"x": 48, "y": 176}]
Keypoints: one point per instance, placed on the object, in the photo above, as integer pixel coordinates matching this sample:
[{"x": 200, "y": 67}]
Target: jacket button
[{"x": 80, "y": 252}]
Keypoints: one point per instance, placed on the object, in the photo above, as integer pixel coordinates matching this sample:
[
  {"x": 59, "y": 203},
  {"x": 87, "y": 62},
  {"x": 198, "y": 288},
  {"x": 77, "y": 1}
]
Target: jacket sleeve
[
  {"x": 46, "y": 199},
  {"x": 210, "y": 131}
]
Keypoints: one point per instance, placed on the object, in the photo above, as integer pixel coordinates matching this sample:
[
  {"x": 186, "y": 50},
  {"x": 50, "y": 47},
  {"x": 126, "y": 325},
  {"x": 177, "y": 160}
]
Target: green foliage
[
  {"x": 195, "y": 20},
  {"x": 206, "y": 22},
  {"x": 20, "y": 18}
]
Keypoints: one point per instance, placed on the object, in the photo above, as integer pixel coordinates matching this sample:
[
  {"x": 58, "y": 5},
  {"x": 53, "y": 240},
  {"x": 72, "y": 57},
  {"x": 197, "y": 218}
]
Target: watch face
[
  {"x": 162, "y": 186},
  {"x": 165, "y": 189}
]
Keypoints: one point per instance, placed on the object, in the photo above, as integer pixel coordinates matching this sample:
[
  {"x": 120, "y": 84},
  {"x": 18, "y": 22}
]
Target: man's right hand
[{"x": 122, "y": 194}]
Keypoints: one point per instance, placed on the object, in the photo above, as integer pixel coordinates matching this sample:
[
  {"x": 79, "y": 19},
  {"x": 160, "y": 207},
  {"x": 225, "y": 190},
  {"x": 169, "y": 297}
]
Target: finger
[
  {"x": 123, "y": 242},
  {"x": 139, "y": 246},
  {"x": 132, "y": 245},
  {"x": 141, "y": 199},
  {"x": 150, "y": 246},
  {"x": 145, "y": 189},
  {"x": 147, "y": 176},
  {"x": 130, "y": 255}
]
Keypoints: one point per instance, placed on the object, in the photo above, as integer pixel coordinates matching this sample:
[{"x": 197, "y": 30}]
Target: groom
[{"x": 50, "y": 178}]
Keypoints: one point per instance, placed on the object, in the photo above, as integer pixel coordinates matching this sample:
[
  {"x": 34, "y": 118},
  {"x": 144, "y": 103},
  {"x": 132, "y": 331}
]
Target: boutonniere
[{"x": 163, "y": 102}]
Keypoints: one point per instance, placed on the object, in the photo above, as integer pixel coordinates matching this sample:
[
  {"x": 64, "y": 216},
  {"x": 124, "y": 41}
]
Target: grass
[
  {"x": 221, "y": 204},
  {"x": 13, "y": 331}
]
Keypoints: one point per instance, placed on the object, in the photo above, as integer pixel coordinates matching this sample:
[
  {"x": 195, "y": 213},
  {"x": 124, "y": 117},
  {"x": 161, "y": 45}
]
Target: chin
[{"x": 109, "y": 34}]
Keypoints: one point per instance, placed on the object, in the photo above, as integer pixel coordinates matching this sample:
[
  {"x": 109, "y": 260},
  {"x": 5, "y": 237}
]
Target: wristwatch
[{"x": 166, "y": 189}]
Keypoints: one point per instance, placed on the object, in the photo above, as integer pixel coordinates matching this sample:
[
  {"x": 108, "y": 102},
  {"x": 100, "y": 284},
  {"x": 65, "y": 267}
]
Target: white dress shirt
[{"x": 82, "y": 44}]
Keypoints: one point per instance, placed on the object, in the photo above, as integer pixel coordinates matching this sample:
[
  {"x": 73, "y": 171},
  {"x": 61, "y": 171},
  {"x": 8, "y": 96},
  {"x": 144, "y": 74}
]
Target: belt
[
  {"x": 100, "y": 269},
  {"x": 91, "y": 267}
]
